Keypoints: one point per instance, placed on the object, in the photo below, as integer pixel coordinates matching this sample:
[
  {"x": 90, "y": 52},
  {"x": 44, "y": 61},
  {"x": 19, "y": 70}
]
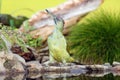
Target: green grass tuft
[{"x": 97, "y": 38}]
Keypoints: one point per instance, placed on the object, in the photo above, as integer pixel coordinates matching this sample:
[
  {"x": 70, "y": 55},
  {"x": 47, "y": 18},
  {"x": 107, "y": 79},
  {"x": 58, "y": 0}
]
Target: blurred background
[{"x": 29, "y": 7}]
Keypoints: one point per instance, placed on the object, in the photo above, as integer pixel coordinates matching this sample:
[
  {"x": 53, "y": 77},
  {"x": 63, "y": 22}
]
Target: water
[{"x": 62, "y": 76}]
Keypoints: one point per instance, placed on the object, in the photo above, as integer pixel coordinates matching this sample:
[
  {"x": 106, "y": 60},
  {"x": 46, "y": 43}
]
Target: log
[
  {"x": 35, "y": 66},
  {"x": 37, "y": 70},
  {"x": 71, "y": 11}
]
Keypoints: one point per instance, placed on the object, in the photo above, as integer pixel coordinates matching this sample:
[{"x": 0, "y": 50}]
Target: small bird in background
[{"x": 57, "y": 42}]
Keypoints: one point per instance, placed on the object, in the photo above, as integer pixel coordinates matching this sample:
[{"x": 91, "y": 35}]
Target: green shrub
[
  {"x": 15, "y": 37},
  {"x": 97, "y": 38}
]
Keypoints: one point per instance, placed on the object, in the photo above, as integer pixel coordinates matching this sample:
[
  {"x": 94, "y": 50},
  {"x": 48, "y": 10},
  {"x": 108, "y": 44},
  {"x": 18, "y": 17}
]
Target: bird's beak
[{"x": 53, "y": 16}]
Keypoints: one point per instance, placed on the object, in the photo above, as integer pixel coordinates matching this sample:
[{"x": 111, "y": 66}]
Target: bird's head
[{"x": 59, "y": 22}]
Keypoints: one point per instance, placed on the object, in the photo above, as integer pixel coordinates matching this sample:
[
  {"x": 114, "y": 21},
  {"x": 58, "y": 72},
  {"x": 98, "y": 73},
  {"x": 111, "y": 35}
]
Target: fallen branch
[{"x": 71, "y": 11}]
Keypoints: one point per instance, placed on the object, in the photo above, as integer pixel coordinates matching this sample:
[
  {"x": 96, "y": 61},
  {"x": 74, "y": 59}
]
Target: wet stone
[{"x": 8, "y": 64}]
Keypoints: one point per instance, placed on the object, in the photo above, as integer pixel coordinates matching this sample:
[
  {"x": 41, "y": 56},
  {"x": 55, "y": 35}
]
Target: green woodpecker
[{"x": 57, "y": 42}]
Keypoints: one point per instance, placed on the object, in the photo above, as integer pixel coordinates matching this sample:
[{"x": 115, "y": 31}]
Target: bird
[{"x": 57, "y": 42}]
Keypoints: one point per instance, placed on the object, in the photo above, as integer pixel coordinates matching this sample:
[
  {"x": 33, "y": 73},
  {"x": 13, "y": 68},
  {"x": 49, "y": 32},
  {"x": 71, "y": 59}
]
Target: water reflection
[
  {"x": 63, "y": 76},
  {"x": 12, "y": 77}
]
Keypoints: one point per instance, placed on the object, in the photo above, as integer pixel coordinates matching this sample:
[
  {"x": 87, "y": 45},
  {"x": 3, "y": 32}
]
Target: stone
[
  {"x": 34, "y": 66},
  {"x": 12, "y": 77},
  {"x": 2, "y": 77},
  {"x": 2, "y": 60},
  {"x": 45, "y": 58},
  {"x": 115, "y": 63},
  {"x": 116, "y": 68},
  {"x": 98, "y": 67},
  {"x": 107, "y": 64},
  {"x": 10, "y": 62}
]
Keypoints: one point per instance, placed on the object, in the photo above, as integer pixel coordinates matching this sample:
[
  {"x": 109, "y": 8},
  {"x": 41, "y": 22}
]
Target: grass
[
  {"x": 85, "y": 38},
  {"x": 97, "y": 38}
]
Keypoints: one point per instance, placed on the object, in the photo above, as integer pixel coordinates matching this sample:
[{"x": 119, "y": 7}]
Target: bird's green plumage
[{"x": 57, "y": 43}]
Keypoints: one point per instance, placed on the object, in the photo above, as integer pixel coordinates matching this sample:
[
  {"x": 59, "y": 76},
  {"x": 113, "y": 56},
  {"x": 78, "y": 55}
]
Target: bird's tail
[
  {"x": 72, "y": 60},
  {"x": 77, "y": 63}
]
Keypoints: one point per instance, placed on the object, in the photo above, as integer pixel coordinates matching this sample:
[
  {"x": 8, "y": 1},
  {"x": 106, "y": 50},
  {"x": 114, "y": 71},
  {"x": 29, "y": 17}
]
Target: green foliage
[
  {"x": 97, "y": 38},
  {"x": 7, "y": 19},
  {"x": 27, "y": 27},
  {"x": 33, "y": 42},
  {"x": 15, "y": 37}
]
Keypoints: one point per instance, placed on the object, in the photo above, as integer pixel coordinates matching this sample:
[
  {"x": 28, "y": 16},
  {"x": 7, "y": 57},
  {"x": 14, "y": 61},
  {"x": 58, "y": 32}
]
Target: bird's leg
[
  {"x": 63, "y": 63},
  {"x": 66, "y": 63},
  {"x": 51, "y": 60},
  {"x": 64, "y": 76}
]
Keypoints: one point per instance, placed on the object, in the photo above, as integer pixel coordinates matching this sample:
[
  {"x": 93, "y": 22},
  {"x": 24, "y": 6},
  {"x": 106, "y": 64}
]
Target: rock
[
  {"x": 12, "y": 77},
  {"x": 19, "y": 59},
  {"x": 45, "y": 58},
  {"x": 58, "y": 75},
  {"x": 98, "y": 74},
  {"x": 2, "y": 77},
  {"x": 34, "y": 66},
  {"x": 107, "y": 64},
  {"x": 116, "y": 68},
  {"x": 98, "y": 67},
  {"x": 11, "y": 63},
  {"x": 18, "y": 67},
  {"x": 19, "y": 77},
  {"x": 116, "y": 63},
  {"x": 8, "y": 64},
  {"x": 32, "y": 76},
  {"x": 2, "y": 60},
  {"x": 28, "y": 56},
  {"x": 43, "y": 50},
  {"x": 43, "y": 53}
]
